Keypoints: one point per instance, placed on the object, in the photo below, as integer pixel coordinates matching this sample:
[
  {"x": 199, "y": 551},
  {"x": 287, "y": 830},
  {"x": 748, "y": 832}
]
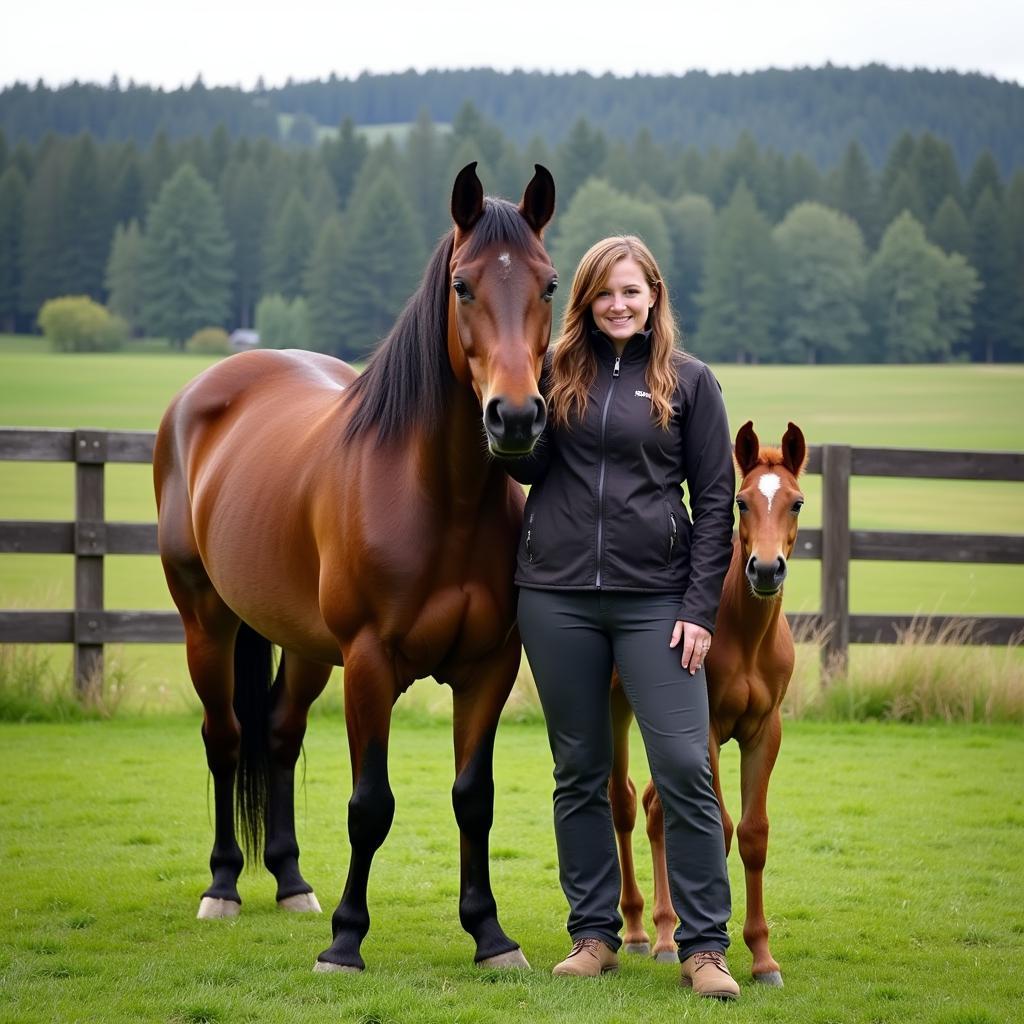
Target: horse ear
[
  {"x": 794, "y": 449},
  {"x": 539, "y": 199},
  {"x": 747, "y": 448},
  {"x": 467, "y": 198}
]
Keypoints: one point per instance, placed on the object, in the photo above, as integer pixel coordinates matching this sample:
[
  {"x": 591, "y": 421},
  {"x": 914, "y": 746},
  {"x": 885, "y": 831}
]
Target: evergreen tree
[
  {"x": 958, "y": 286},
  {"x": 997, "y": 326},
  {"x": 821, "y": 253},
  {"x": 245, "y": 214},
  {"x": 85, "y": 229},
  {"x": 186, "y": 259},
  {"x": 691, "y": 222},
  {"x": 159, "y": 164},
  {"x": 423, "y": 169},
  {"x": 289, "y": 245},
  {"x": 950, "y": 229},
  {"x": 123, "y": 279},
  {"x": 472, "y": 127},
  {"x": 326, "y": 284},
  {"x": 44, "y": 244},
  {"x": 323, "y": 199},
  {"x": 13, "y": 206},
  {"x": 903, "y": 196},
  {"x": 984, "y": 175},
  {"x": 740, "y": 284},
  {"x": 344, "y": 157},
  {"x": 383, "y": 260},
  {"x": 127, "y": 199},
  {"x": 935, "y": 171},
  {"x": 853, "y": 191},
  {"x": 580, "y": 157}
]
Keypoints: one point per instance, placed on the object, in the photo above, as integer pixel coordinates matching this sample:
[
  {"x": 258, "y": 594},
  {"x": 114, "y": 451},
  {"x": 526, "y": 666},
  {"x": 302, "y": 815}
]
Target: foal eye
[
  {"x": 741, "y": 504},
  {"x": 549, "y": 291},
  {"x": 461, "y": 289},
  {"x": 797, "y": 505}
]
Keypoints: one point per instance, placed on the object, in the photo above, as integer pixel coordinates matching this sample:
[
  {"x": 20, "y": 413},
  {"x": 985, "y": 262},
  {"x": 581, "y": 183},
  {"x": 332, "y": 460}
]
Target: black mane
[{"x": 408, "y": 378}]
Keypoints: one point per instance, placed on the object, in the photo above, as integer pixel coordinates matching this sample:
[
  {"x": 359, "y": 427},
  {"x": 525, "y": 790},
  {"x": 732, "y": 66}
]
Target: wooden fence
[{"x": 90, "y": 537}]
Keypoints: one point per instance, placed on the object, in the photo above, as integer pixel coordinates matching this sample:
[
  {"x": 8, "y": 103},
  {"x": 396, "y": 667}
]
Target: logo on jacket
[{"x": 642, "y": 394}]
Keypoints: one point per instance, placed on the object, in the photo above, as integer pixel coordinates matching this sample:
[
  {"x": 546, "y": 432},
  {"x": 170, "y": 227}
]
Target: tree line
[
  {"x": 766, "y": 257},
  {"x": 814, "y": 111}
]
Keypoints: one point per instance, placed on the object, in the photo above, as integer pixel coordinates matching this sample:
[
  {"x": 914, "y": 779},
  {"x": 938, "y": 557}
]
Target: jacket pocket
[
  {"x": 673, "y": 532},
  {"x": 529, "y": 537}
]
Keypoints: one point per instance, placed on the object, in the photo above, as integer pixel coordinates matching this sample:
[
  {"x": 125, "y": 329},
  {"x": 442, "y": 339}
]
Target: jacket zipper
[
  {"x": 600, "y": 478},
  {"x": 672, "y": 536},
  {"x": 529, "y": 535}
]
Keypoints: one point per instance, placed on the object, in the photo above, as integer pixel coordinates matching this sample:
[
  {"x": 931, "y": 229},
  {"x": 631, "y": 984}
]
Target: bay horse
[
  {"x": 748, "y": 669},
  {"x": 360, "y": 520}
]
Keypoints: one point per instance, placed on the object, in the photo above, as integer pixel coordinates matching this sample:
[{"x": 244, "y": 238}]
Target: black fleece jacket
[{"x": 606, "y": 510}]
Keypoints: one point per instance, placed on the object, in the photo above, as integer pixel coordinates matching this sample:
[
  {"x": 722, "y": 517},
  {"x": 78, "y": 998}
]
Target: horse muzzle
[
  {"x": 766, "y": 578},
  {"x": 513, "y": 429}
]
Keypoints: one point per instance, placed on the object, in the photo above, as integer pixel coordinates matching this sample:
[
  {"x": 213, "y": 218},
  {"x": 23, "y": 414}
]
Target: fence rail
[{"x": 90, "y": 537}]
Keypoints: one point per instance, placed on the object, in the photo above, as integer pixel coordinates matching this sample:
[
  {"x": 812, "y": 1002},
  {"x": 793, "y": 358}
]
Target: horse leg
[
  {"x": 665, "y": 950},
  {"x": 477, "y": 705},
  {"x": 299, "y": 682},
  {"x": 756, "y": 763},
  {"x": 622, "y": 797},
  {"x": 370, "y": 689}
]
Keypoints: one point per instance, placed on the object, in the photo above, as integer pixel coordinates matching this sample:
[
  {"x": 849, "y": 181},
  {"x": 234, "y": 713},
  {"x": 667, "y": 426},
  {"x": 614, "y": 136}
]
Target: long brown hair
[{"x": 574, "y": 364}]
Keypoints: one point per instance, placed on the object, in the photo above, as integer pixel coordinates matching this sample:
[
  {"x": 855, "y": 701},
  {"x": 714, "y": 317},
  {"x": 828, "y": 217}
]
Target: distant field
[{"x": 973, "y": 407}]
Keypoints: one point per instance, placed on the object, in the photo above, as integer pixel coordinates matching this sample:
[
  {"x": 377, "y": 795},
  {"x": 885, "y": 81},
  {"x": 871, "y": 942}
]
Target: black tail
[{"x": 253, "y": 699}]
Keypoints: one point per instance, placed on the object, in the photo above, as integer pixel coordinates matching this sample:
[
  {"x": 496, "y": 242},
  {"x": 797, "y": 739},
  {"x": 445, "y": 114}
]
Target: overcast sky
[{"x": 229, "y": 42}]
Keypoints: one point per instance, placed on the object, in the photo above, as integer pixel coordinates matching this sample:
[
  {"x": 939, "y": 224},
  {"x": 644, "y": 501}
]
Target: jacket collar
[{"x": 637, "y": 350}]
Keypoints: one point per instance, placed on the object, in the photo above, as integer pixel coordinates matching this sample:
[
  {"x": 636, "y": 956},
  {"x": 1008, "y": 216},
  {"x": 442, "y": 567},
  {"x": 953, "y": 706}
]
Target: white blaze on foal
[
  {"x": 506, "y": 264},
  {"x": 768, "y": 485}
]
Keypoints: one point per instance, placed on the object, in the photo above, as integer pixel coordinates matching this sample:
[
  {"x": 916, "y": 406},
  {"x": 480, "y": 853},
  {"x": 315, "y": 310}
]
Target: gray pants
[{"x": 572, "y": 639}]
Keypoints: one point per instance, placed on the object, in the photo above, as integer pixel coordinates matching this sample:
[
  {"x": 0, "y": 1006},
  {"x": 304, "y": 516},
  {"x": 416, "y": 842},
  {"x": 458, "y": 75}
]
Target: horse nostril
[
  {"x": 780, "y": 572},
  {"x": 540, "y": 416},
  {"x": 492, "y": 416}
]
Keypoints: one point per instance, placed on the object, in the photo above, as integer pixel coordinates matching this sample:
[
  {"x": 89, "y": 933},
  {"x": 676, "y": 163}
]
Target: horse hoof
[
  {"x": 301, "y": 903},
  {"x": 211, "y": 908},
  {"x": 513, "y": 958},
  {"x": 637, "y": 948},
  {"x": 773, "y": 979},
  {"x": 666, "y": 956},
  {"x": 326, "y": 967}
]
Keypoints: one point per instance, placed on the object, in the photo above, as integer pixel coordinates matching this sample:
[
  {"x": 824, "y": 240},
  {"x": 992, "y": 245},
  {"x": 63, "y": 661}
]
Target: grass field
[
  {"x": 975, "y": 407},
  {"x": 893, "y": 887}
]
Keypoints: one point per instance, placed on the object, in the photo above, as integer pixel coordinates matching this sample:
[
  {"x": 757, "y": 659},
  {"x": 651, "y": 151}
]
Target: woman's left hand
[{"x": 696, "y": 643}]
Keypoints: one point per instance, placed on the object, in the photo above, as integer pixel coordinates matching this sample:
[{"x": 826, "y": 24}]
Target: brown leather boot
[
  {"x": 589, "y": 958},
  {"x": 707, "y": 973}
]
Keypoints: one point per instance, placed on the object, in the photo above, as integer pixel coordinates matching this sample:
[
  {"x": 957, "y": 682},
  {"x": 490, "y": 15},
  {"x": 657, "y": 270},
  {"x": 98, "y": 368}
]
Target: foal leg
[
  {"x": 477, "y": 704},
  {"x": 756, "y": 763},
  {"x": 714, "y": 751},
  {"x": 298, "y": 684},
  {"x": 665, "y": 949},
  {"x": 370, "y": 689},
  {"x": 622, "y": 797}
]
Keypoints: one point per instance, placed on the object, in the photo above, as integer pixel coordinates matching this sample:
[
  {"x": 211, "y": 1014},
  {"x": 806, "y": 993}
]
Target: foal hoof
[
  {"x": 773, "y": 979},
  {"x": 666, "y": 956},
  {"x": 325, "y": 967},
  {"x": 211, "y": 908},
  {"x": 513, "y": 958},
  {"x": 301, "y": 903},
  {"x": 637, "y": 948}
]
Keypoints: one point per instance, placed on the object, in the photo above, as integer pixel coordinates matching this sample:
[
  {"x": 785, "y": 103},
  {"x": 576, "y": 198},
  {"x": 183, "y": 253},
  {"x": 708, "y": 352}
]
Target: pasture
[
  {"x": 901, "y": 406},
  {"x": 893, "y": 885}
]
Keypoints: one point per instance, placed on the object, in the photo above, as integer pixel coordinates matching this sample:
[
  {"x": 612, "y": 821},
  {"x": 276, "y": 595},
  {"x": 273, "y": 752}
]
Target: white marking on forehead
[
  {"x": 768, "y": 485},
  {"x": 506, "y": 264}
]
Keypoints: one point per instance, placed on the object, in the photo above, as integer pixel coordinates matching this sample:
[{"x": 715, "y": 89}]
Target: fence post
[
  {"x": 835, "y": 560},
  {"x": 90, "y": 544}
]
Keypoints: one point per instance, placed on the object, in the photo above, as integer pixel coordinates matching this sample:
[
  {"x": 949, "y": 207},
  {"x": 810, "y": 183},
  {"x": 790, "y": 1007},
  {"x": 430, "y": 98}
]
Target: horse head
[
  {"x": 769, "y": 502},
  {"x": 502, "y": 283}
]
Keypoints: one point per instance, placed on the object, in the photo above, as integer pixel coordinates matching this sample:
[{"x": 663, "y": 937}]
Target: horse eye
[
  {"x": 741, "y": 504},
  {"x": 797, "y": 505},
  {"x": 461, "y": 289},
  {"x": 549, "y": 291}
]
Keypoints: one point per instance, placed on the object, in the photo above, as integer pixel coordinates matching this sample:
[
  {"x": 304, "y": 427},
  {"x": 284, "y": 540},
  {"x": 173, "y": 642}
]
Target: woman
[{"x": 611, "y": 571}]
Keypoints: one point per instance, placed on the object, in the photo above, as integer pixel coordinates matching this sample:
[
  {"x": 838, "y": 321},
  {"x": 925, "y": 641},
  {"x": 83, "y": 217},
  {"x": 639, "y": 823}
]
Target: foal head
[
  {"x": 769, "y": 502},
  {"x": 499, "y": 322}
]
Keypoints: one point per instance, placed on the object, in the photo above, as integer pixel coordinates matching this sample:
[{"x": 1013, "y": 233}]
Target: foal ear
[
  {"x": 794, "y": 449},
  {"x": 539, "y": 199},
  {"x": 747, "y": 448},
  {"x": 467, "y": 198}
]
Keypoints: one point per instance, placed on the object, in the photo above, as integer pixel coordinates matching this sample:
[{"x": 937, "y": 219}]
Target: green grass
[
  {"x": 975, "y": 407},
  {"x": 893, "y": 888}
]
